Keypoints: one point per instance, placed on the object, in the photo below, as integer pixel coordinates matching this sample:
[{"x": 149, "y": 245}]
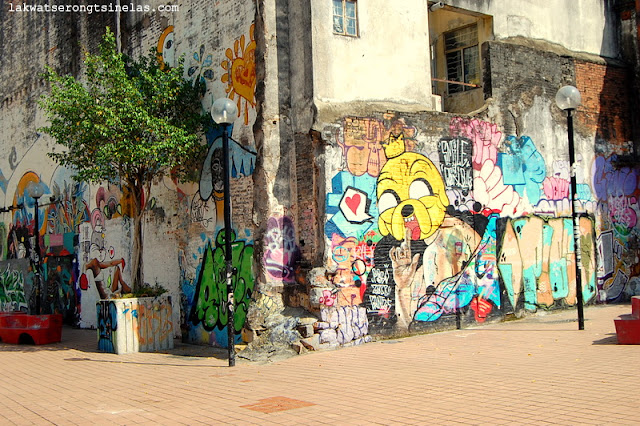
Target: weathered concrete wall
[
  {"x": 581, "y": 26},
  {"x": 392, "y": 47}
]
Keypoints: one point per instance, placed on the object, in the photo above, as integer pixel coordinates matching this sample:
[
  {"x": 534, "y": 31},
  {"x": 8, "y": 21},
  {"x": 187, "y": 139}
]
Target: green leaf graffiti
[
  {"x": 210, "y": 304},
  {"x": 12, "y": 296}
]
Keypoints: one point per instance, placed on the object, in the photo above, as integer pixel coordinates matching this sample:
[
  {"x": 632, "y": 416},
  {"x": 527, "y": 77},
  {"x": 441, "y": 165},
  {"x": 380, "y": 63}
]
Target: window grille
[{"x": 462, "y": 57}]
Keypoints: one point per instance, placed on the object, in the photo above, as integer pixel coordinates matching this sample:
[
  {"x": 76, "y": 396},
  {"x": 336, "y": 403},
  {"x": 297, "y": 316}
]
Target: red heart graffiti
[{"x": 353, "y": 202}]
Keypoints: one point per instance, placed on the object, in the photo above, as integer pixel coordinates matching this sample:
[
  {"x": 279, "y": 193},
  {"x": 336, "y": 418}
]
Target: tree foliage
[
  {"x": 128, "y": 122},
  {"x": 125, "y": 121}
]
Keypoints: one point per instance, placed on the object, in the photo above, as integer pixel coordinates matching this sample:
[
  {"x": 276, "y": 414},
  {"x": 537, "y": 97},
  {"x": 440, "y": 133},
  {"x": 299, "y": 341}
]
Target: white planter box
[{"x": 143, "y": 324}]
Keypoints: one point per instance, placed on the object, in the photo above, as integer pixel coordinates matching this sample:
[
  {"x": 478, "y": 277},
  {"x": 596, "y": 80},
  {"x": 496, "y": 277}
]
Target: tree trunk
[
  {"x": 140, "y": 201},
  {"x": 137, "y": 276}
]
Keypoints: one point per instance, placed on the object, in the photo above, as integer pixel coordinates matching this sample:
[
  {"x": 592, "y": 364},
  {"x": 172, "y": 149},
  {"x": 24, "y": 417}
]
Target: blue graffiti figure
[
  {"x": 523, "y": 167},
  {"x": 477, "y": 281},
  {"x": 107, "y": 325},
  {"x": 243, "y": 162}
]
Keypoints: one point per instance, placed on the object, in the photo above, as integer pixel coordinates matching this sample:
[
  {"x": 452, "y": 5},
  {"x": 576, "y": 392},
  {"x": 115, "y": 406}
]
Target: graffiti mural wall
[
  {"x": 464, "y": 223},
  {"x": 85, "y": 232},
  {"x": 225, "y": 62},
  {"x": 617, "y": 192},
  {"x": 417, "y": 220},
  {"x": 60, "y": 210}
]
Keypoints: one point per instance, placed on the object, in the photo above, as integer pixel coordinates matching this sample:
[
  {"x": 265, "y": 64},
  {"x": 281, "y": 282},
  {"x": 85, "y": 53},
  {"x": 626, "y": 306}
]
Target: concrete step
[{"x": 635, "y": 306}]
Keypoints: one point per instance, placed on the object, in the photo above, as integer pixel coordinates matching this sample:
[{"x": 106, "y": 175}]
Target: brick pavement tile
[{"x": 453, "y": 376}]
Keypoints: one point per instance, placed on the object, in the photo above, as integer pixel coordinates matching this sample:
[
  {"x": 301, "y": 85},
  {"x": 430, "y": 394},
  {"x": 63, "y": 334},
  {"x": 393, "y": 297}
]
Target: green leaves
[{"x": 125, "y": 121}]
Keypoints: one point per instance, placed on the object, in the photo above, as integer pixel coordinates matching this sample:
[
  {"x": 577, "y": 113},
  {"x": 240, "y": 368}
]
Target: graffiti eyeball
[
  {"x": 166, "y": 47},
  {"x": 388, "y": 200},
  {"x": 359, "y": 267},
  {"x": 341, "y": 254},
  {"x": 420, "y": 188}
]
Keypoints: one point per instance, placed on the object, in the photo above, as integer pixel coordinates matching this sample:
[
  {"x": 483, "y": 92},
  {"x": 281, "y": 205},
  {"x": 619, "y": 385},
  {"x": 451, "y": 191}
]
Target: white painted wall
[
  {"x": 389, "y": 61},
  {"x": 578, "y": 25}
]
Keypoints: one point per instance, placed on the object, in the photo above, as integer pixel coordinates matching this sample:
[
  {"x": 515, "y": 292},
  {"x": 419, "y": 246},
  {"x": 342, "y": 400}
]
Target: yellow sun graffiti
[{"x": 240, "y": 75}]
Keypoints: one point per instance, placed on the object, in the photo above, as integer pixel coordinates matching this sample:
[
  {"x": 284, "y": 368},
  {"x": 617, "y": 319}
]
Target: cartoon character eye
[
  {"x": 420, "y": 188},
  {"x": 388, "y": 200}
]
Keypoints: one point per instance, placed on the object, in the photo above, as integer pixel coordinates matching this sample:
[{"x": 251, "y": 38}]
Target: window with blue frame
[{"x": 345, "y": 18}]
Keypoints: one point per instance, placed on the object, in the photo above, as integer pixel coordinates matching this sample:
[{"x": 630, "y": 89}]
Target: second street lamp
[
  {"x": 36, "y": 190},
  {"x": 568, "y": 99},
  {"x": 224, "y": 113}
]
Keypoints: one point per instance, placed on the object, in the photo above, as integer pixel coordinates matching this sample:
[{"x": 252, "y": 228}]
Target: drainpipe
[{"x": 118, "y": 36}]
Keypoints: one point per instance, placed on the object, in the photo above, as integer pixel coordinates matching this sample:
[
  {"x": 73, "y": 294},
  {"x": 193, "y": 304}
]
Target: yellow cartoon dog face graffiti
[{"x": 411, "y": 196}]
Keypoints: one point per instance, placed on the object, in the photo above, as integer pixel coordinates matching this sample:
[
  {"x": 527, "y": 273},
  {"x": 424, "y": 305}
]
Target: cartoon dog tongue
[{"x": 414, "y": 227}]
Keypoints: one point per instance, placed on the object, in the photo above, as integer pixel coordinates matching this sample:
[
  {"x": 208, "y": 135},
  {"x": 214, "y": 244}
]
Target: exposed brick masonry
[{"x": 605, "y": 101}]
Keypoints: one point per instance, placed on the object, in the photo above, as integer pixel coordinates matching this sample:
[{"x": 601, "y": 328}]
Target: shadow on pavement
[
  {"x": 611, "y": 339},
  {"x": 163, "y": 362},
  {"x": 85, "y": 340}
]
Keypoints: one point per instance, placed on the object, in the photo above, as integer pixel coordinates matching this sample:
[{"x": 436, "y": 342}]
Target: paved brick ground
[{"x": 534, "y": 371}]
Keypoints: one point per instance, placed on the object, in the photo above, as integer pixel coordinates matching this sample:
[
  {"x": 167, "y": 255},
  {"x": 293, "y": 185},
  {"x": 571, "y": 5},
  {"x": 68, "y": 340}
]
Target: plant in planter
[{"x": 146, "y": 290}]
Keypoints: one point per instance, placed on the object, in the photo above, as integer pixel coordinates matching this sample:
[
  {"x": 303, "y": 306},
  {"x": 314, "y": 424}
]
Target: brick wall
[{"x": 605, "y": 101}]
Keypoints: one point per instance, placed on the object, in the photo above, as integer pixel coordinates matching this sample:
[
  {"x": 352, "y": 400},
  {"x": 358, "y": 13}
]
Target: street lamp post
[
  {"x": 568, "y": 99},
  {"x": 36, "y": 190},
  {"x": 224, "y": 112}
]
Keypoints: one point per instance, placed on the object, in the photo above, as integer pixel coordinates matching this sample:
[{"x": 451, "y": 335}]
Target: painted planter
[
  {"x": 143, "y": 324},
  {"x": 20, "y": 327}
]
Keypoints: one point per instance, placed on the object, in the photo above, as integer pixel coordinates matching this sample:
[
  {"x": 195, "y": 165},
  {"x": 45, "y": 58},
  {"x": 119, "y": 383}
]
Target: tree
[{"x": 126, "y": 122}]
